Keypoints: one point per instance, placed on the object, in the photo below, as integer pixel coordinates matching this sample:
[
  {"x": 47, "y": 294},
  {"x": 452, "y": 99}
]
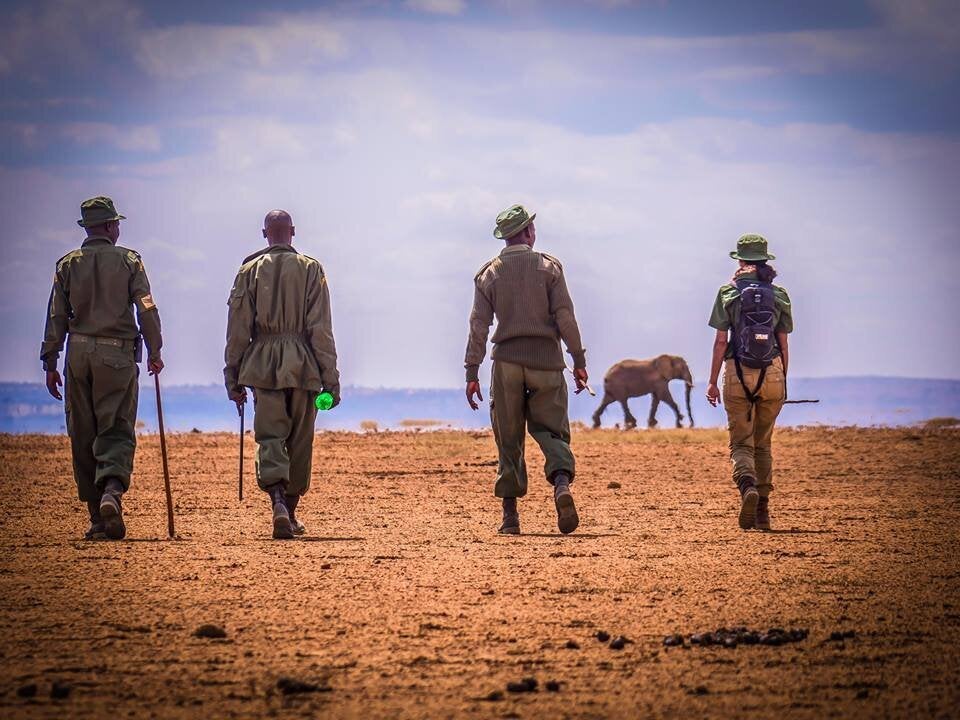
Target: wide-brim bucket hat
[
  {"x": 97, "y": 211},
  {"x": 511, "y": 221},
  {"x": 752, "y": 248}
]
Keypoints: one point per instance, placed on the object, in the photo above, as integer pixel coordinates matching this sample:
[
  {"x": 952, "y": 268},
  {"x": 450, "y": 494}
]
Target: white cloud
[{"x": 128, "y": 138}]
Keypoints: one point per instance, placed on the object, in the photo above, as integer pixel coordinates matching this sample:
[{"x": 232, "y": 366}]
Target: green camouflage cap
[
  {"x": 511, "y": 221},
  {"x": 97, "y": 211},
  {"x": 752, "y": 248}
]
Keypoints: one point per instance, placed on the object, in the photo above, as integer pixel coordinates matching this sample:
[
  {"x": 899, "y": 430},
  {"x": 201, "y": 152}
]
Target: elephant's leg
[
  {"x": 654, "y": 404},
  {"x": 629, "y": 421},
  {"x": 668, "y": 399},
  {"x": 607, "y": 400}
]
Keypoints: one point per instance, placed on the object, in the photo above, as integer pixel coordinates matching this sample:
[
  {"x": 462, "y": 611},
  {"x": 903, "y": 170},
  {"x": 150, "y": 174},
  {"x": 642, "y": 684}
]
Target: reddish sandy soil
[{"x": 402, "y": 601}]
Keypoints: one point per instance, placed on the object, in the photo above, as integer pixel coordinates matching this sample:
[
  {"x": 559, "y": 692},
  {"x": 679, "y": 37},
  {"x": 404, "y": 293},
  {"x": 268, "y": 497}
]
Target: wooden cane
[
  {"x": 163, "y": 454},
  {"x": 240, "y": 411}
]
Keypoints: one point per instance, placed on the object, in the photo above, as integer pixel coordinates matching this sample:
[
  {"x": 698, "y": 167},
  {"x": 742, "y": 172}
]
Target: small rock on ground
[{"x": 209, "y": 630}]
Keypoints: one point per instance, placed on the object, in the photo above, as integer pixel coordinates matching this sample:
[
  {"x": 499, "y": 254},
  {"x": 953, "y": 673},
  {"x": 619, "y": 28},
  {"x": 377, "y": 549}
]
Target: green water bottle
[{"x": 324, "y": 401}]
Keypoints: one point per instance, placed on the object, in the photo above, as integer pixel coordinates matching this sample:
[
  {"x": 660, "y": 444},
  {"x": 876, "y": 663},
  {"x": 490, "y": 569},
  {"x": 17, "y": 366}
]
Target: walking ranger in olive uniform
[
  {"x": 757, "y": 317},
  {"x": 280, "y": 344},
  {"x": 95, "y": 289},
  {"x": 527, "y": 293}
]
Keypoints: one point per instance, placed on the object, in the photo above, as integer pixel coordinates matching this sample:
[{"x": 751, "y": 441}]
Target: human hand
[
  {"x": 580, "y": 378},
  {"x": 239, "y": 396},
  {"x": 154, "y": 366},
  {"x": 713, "y": 394},
  {"x": 473, "y": 388},
  {"x": 54, "y": 382}
]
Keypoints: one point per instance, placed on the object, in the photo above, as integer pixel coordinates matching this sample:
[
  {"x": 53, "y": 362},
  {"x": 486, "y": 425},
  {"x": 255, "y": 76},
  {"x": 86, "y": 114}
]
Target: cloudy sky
[{"x": 646, "y": 135}]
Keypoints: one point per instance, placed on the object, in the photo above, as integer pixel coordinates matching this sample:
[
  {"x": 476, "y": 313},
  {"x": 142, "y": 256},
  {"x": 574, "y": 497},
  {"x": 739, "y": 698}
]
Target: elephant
[{"x": 633, "y": 378}]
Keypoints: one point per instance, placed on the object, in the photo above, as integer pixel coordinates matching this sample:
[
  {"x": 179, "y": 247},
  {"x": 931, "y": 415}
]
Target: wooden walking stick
[
  {"x": 163, "y": 454},
  {"x": 240, "y": 409}
]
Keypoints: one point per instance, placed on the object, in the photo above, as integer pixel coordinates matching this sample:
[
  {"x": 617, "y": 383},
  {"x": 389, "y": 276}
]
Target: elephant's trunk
[{"x": 688, "y": 379}]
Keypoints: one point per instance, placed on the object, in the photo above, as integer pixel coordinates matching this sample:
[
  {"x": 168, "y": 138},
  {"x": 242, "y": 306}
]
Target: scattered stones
[
  {"x": 730, "y": 638},
  {"x": 491, "y": 591},
  {"x": 495, "y": 696},
  {"x": 27, "y": 691},
  {"x": 527, "y": 685},
  {"x": 292, "y": 686},
  {"x": 699, "y": 690},
  {"x": 841, "y": 635},
  {"x": 613, "y": 485},
  {"x": 60, "y": 690},
  {"x": 552, "y": 686},
  {"x": 602, "y": 636},
  {"x": 619, "y": 642},
  {"x": 326, "y": 566},
  {"x": 572, "y": 645},
  {"x": 209, "y": 630}
]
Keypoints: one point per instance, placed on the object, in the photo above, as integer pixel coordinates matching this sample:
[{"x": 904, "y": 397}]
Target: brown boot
[
  {"x": 511, "y": 518},
  {"x": 567, "y": 518},
  {"x": 749, "y": 497},
  {"x": 111, "y": 510},
  {"x": 763, "y": 514},
  {"x": 282, "y": 529}
]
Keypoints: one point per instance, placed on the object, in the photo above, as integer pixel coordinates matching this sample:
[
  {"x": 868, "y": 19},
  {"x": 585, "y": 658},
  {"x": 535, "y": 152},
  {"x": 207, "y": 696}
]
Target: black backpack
[
  {"x": 754, "y": 339},
  {"x": 754, "y": 335}
]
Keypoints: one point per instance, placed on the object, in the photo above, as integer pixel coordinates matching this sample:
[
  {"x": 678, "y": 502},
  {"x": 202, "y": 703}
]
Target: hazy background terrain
[{"x": 646, "y": 135}]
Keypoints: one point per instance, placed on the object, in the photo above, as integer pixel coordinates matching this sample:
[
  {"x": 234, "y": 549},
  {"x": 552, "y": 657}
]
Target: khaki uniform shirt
[
  {"x": 279, "y": 328},
  {"x": 726, "y": 309},
  {"x": 527, "y": 293},
  {"x": 95, "y": 290}
]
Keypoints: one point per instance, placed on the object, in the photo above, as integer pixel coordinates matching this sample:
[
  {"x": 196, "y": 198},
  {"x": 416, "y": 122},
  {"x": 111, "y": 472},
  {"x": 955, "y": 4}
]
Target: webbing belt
[
  {"x": 115, "y": 342},
  {"x": 751, "y": 396}
]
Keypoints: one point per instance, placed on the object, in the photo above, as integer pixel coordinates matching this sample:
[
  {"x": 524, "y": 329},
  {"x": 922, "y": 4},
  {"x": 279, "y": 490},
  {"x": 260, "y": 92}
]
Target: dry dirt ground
[{"x": 403, "y": 602}]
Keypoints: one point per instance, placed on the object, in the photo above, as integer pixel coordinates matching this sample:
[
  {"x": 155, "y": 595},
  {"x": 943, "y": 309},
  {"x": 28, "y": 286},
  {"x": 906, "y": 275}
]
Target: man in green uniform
[
  {"x": 95, "y": 289},
  {"x": 280, "y": 343},
  {"x": 527, "y": 293},
  {"x": 753, "y": 396}
]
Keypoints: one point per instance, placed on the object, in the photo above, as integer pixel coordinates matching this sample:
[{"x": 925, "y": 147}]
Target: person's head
[
  {"x": 527, "y": 236},
  {"x": 515, "y": 226},
  {"x": 278, "y": 228},
  {"x": 100, "y": 218},
  {"x": 752, "y": 255}
]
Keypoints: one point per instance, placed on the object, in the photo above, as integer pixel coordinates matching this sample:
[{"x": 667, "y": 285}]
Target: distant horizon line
[{"x": 458, "y": 387}]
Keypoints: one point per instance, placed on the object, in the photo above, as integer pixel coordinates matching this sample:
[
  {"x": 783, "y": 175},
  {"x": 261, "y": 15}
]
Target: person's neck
[{"x": 280, "y": 241}]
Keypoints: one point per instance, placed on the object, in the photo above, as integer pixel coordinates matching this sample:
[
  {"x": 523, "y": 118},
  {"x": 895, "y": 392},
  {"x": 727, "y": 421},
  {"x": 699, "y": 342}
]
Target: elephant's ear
[{"x": 664, "y": 366}]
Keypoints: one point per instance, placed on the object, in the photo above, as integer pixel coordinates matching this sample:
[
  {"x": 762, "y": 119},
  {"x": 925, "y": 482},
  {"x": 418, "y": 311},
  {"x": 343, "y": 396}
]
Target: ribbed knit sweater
[{"x": 527, "y": 293}]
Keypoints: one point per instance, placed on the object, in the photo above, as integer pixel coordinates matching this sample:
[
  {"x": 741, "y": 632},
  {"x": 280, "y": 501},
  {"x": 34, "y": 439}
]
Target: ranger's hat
[
  {"x": 511, "y": 221},
  {"x": 97, "y": 211},
  {"x": 752, "y": 248}
]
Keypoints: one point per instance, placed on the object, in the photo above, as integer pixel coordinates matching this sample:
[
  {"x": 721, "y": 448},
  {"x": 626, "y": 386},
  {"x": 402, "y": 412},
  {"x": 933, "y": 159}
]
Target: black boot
[
  {"x": 298, "y": 527},
  {"x": 282, "y": 529},
  {"x": 97, "y": 529},
  {"x": 567, "y": 518},
  {"x": 111, "y": 510},
  {"x": 749, "y": 497},
  {"x": 511, "y": 518}
]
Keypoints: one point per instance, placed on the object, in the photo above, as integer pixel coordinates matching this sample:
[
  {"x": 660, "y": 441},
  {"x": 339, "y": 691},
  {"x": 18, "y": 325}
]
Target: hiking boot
[
  {"x": 282, "y": 529},
  {"x": 111, "y": 511},
  {"x": 298, "y": 527},
  {"x": 749, "y": 497},
  {"x": 567, "y": 518},
  {"x": 511, "y": 518},
  {"x": 763, "y": 514},
  {"x": 97, "y": 529}
]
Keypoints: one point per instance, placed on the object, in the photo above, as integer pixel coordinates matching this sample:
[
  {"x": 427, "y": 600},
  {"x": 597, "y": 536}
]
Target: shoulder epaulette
[
  {"x": 254, "y": 256},
  {"x": 552, "y": 259},
  {"x": 483, "y": 269}
]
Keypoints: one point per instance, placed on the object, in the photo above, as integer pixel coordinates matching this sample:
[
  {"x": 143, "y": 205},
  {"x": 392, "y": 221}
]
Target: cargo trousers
[
  {"x": 524, "y": 399},
  {"x": 283, "y": 426},
  {"x": 101, "y": 392},
  {"x": 751, "y": 429}
]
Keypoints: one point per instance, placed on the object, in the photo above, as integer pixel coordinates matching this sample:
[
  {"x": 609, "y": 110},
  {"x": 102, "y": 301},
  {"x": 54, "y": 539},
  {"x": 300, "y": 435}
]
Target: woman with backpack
[{"x": 752, "y": 317}]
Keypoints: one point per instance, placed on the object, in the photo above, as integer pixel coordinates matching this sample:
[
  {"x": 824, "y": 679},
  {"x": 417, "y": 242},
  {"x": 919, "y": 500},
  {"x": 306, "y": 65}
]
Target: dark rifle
[
  {"x": 797, "y": 402},
  {"x": 163, "y": 454}
]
